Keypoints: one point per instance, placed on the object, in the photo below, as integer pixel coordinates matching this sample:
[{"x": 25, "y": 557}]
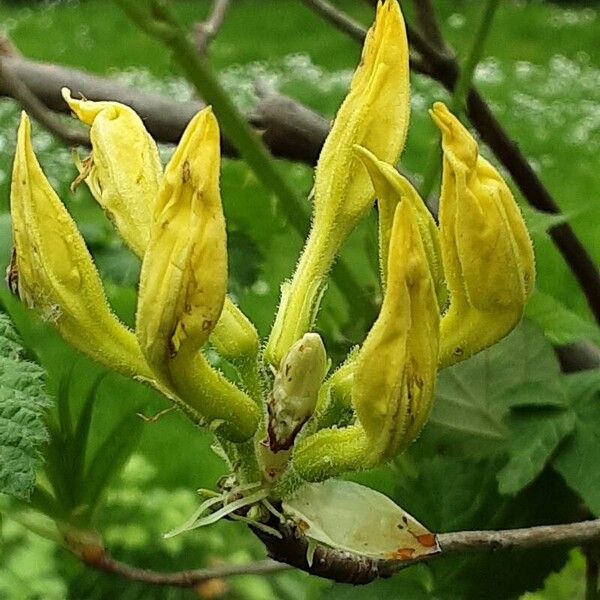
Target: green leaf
[
  {"x": 538, "y": 222},
  {"x": 110, "y": 458},
  {"x": 534, "y": 437},
  {"x": 561, "y": 325},
  {"x": 578, "y": 459},
  {"x": 458, "y": 494},
  {"x": 508, "y": 400},
  {"x": 23, "y": 404},
  {"x": 474, "y": 397}
]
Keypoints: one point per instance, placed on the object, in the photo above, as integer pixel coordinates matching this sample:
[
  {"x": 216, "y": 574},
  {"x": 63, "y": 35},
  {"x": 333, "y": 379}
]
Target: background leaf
[
  {"x": 23, "y": 404},
  {"x": 508, "y": 400},
  {"x": 561, "y": 325},
  {"x": 579, "y": 458}
]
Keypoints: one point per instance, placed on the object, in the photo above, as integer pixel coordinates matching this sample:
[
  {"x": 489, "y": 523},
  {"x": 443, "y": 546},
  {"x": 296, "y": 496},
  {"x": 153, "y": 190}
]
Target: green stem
[
  {"x": 249, "y": 373},
  {"x": 461, "y": 92}
]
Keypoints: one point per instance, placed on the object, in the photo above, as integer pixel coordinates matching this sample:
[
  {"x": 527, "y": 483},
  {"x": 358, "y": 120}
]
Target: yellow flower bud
[
  {"x": 184, "y": 279},
  {"x": 296, "y": 389},
  {"x": 124, "y": 171},
  {"x": 375, "y": 115},
  {"x": 391, "y": 188},
  {"x": 234, "y": 336},
  {"x": 55, "y": 272},
  {"x": 396, "y": 369},
  {"x": 184, "y": 272},
  {"x": 487, "y": 253}
]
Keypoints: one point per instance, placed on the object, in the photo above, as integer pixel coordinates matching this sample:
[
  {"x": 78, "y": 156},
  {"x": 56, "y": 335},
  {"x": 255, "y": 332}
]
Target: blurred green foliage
[{"x": 512, "y": 442}]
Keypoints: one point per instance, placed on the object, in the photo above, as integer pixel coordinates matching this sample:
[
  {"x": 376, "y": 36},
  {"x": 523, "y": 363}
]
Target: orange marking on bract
[{"x": 427, "y": 539}]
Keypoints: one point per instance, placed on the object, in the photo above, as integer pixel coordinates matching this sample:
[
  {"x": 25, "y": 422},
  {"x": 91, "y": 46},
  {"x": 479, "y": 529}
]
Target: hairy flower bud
[
  {"x": 234, "y": 336},
  {"x": 397, "y": 365},
  {"x": 487, "y": 253},
  {"x": 184, "y": 279},
  {"x": 296, "y": 389},
  {"x": 184, "y": 272},
  {"x": 54, "y": 271},
  {"x": 124, "y": 171},
  {"x": 375, "y": 115}
]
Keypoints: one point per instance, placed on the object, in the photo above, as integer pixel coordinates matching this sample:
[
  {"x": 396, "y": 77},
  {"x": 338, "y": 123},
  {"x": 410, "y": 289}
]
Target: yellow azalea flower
[
  {"x": 487, "y": 252},
  {"x": 393, "y": 376},
  {"x": 124, "y": 170},
  {"x": 184, "y": 280},
  {"x": 55, "y": 271},
  {"x": 397, "y": 365},
  {"x": 375, "y": 115}
]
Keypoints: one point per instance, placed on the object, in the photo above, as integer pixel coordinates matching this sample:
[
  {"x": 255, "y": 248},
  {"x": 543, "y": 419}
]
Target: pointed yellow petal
[
  {"x": 55, "y": 271},
  {"x": 390, "y": 188},
  {"x": 183, "y": 283},
  {"x": 487, "y": 253},
  {"x": 375, "y": 115},
  {"x": 397, "y": 365},
  {"x": 125, "y": 171},
  {"x": 184, "y": 273}
]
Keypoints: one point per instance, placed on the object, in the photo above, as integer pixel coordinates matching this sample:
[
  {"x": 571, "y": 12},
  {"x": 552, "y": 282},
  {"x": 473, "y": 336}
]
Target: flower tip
[
  {"x": 24, "y": 131},
  {"x": 25, "y": 123},
  {"x": 65, "y": 92},
  {"x": 85, "y": 110},
  {"x": 442, "y": 117}
]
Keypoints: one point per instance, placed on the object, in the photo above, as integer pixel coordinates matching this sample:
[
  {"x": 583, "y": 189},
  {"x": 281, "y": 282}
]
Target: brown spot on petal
[
  {"x": 402, "y": 554},
  {"x": 303, "y": 526},
  {"x": 12, "y": 275},
  {"x": 427, "y": 540},
  {"x": 186, "y": 173}
]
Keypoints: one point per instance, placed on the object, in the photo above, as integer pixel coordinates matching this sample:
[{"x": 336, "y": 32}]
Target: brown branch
[
  {"x": 428, "y": 24},
  {"x": 10, "y": 82},
  {"x": 337, "y": 18},
  {"x": 444, "y": 68},
  {"x": 203, "y": 33},
  {"x": 100, "y": 561},
  {"x": 290, "y": 130},
  {"x": 346, "y": 567}
]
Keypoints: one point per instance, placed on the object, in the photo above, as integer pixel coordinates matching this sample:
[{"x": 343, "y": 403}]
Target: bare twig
[
  {"x": 183, "y": 579},
  {"x": 428, "y": 24},
  {"x": 443, "y": 67},
  {"x": 10, "y": 82},
  {"x": 350, "y": 568},
  {"x": 291, "y": 551},
  {"x": 205, "y": 31},
  {"x": 337, "y": 18}
]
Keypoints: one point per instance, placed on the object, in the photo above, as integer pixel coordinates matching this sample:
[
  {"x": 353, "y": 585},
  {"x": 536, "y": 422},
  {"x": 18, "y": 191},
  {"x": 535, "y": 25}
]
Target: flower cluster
[{"x": 450, "y": 290}]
